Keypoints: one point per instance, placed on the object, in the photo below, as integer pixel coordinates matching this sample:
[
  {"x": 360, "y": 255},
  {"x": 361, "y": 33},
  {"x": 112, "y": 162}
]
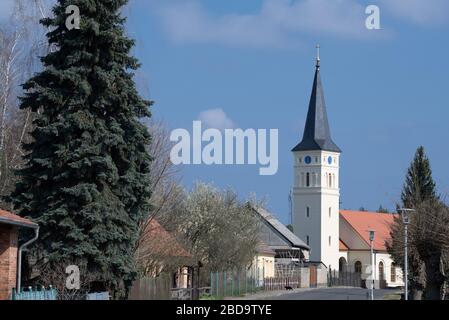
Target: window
[
  {"x": 330, "y": 241},
  {"x": 358, "y": 267},
  {"x": 330, "y": 212},
  {"x": 308, "y": 212},
  {"x": 308, "y": 179},
  {"x": 393, "y": 273},
  {"x": 307, "y": 240},
  {"x": 330, "y": 180},
  {"x": 381, "y": 271}
]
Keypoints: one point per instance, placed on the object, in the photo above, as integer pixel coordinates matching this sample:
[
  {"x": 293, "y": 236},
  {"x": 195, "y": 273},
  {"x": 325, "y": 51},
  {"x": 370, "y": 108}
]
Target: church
[{"x": 338, "y": 239}]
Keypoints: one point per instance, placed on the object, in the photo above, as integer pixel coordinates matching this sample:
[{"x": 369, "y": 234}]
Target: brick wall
[{"x": 8, "y": 260}]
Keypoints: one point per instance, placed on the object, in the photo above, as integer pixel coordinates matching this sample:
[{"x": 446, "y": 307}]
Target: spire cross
[{"x": 318, "y": 60}]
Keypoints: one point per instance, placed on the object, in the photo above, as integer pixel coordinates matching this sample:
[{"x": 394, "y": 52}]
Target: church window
[
  {"x": 308, "y": 179},
  {"x": 330, "y": 180},
  {"x": 330, "y": 212},
  {"x": 316, "y": 159},
  {"x": 393, "y": 273},
  {"x": 308, "y": 212},
  {"x": 358, "y": 267},
  {"x": 330, "y": 241},
  {"x": 308, "y": 240}
]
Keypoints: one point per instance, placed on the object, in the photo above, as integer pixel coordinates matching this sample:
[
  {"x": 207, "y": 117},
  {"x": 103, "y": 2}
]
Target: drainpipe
[{"x": 19, "y": 257}]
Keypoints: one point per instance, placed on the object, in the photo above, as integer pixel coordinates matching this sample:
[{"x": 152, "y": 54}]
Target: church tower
[{"x": 316, "y": 192}]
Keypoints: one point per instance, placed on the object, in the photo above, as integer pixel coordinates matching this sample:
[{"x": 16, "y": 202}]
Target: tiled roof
[
  {"x": 363, "y": 221},
  {"x": 281, "y": 229},
  {"x": 343, "y": 246},
  {"x": 159, "y": 242},
  {"x": 10, "y": 218}
]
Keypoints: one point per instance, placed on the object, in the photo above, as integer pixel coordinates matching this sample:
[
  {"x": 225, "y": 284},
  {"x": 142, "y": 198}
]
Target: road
[{"x": 332, "y": 294}]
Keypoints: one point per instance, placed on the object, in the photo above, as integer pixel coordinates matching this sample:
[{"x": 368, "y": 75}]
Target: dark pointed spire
[{"x": 317, "y": 134}]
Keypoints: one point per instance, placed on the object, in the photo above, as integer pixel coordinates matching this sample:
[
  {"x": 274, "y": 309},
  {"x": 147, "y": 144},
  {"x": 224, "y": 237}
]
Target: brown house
[{"x": 10, "y": 225}]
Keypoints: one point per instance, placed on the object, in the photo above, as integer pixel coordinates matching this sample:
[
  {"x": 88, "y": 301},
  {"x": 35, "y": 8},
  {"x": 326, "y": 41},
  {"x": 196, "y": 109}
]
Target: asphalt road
[{"x": 333, "y": 294}]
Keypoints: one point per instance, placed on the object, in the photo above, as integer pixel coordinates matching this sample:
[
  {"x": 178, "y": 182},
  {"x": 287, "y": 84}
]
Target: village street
[{"x": 342, "y": 293}]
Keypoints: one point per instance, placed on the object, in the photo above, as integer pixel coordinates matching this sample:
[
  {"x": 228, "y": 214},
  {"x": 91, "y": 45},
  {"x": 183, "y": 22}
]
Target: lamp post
[
  {"x": 371, "y": 240},
  {"x": 406, "y": 220}
]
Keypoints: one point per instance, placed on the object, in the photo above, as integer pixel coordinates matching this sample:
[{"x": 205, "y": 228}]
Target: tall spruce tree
[
  {"x": 419, "y": 185},
  {"x": 87, "y": 176}
]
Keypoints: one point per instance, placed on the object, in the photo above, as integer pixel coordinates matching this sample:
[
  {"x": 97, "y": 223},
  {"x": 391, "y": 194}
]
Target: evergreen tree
[
  {"x": 419, "y": 185},
  {"x": 87, "y": 176}
]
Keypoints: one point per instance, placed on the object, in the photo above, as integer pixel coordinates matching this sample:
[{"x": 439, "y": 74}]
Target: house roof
[
  {"x": 343, "y": 246},
  {"x": 282, "y": 230},
  {"x": 317, "y": 135},
  {"x": 363, "y": 221},
  {"x": 13, "y": 219},
  {"x": 159, "y": 242},
  {"x": 263, "y": 248}
]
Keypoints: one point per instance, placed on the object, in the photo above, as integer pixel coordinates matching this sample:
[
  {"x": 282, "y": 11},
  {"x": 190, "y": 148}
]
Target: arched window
[
  {"x": 358, "y": 267},
  {"x": 308, "y": 240},
  {"x": 393, "y": 273},
  {"x": 308, "y": 179},
  {"x": 330, "y": 180},
  {"x": 308, "y": 212},
  {"x": 381, "y": 271},
  {"x": 330, "y": 241},
  {"x": 330, "y": 212}
]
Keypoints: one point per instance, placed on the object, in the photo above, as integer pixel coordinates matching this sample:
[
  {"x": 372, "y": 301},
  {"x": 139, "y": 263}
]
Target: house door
[{"x": 313, "y": 276}]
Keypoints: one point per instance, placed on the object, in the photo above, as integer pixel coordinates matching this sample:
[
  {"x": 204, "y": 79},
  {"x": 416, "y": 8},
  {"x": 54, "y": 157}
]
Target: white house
[{"x": 339, "y": 239}]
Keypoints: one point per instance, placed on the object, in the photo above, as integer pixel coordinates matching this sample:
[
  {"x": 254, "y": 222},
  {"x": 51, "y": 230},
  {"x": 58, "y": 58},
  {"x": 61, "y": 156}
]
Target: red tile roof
[
  {"x": 159, "y": 242},
  {"x": 363, "y": 221},
  {"x": 10, "y": 218},
  {"x": 343, "y": 246}
]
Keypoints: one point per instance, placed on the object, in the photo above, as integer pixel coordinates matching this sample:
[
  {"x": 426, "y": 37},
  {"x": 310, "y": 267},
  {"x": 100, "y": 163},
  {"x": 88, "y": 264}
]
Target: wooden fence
[{"x": 157, "y": 288}]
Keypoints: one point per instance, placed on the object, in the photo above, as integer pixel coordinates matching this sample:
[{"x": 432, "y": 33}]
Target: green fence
[
  {"x": 235, "y": 283},
  {"x": 35, "y": 294}
]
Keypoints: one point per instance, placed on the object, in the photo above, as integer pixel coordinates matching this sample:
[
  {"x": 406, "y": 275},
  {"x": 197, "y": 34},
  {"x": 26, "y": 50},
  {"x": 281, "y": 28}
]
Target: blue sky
[
  {"x": 250, "y": 64},
  {"x": 386, "y": 90}
]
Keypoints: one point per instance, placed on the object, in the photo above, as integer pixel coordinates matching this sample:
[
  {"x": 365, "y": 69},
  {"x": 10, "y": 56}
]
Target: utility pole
[
  {"x": 371, "y": 240},
  {"x": 406, "y": 220}
]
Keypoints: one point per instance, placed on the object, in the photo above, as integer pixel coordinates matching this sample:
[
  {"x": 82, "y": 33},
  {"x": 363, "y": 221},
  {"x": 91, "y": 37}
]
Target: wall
[
  {"x": 365, "y": 259},
  {"x": 8, "y": 260}
]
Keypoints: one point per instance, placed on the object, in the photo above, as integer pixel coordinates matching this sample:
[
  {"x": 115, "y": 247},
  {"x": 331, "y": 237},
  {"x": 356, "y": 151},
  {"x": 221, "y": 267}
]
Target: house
[
  {"x": 159, "y": 251},
  {"x": 278, "y": 244},
  {"x": 10, "y": 227},
  {"x": 337, "y": 238}
]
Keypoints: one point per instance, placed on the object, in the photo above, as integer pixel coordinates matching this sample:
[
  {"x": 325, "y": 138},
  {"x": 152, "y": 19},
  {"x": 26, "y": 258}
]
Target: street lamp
[
  {"x": 405, "y": 213},
  {"x": 371, "y": 240}
]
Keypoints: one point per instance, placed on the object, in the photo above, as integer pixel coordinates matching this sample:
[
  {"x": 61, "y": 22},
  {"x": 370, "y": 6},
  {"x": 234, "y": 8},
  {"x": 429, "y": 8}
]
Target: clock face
[
  {"x": 308, "y": 159},
  {"x": 329, "y": 160}
]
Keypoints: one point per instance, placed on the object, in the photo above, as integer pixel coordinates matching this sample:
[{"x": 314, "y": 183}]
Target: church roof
[
  {"x": 317, "y": 134},
  {"x": 363, "y": 221}
]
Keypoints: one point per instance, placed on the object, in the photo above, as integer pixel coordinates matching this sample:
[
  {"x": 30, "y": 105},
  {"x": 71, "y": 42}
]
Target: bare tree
[{"x": 22, "y": 42}]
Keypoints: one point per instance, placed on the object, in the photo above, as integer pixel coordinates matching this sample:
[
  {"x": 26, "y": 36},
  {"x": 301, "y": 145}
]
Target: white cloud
[
  {"x": 422, "y": 12},
  {"x": 278, "y": 23},
  {"x": 215, "y": 118}
]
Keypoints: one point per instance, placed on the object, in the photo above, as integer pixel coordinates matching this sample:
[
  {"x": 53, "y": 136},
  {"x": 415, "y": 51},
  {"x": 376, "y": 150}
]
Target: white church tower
[{"x": 316, "y": 192}]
